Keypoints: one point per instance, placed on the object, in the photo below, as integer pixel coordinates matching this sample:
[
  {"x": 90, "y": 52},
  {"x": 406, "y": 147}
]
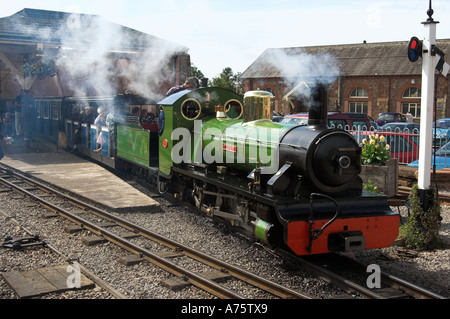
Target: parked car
[
  {"x": 401, "y": 127},
  {"x": 343, "y": 120},
  {"x": 441, "y": 127},
  {"x": 441, "y": 157},
  {"x": 404, "y": 146},
  {"x": 277, "y": 118},
  {"x": 390, "y": 117},
  {"x": 373, "y": 123},
  {"x": 295, "y": 119}
]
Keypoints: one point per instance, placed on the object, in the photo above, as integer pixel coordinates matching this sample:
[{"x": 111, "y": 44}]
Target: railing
[{"x": 404, "y": 145}]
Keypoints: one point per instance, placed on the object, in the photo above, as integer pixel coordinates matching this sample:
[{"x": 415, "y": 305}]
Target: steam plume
[
  {"x": 95, "y": 57},
  {"x": 297, "y": 67},
  {"x": 109, "y": 57}
]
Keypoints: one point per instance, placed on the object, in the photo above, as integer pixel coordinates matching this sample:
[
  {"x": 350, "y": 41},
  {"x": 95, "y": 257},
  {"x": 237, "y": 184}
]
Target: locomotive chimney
[{"x": 318, "y": 111}]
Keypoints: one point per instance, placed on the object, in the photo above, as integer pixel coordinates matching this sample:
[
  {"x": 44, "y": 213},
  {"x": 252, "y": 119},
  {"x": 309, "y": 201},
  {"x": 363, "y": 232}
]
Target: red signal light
[{"x": 414, "y": 49}]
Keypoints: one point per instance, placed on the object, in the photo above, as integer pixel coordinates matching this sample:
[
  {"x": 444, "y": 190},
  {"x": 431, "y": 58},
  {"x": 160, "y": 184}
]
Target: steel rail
[
  {"x": 100, "y": 282},
  {"x": 161, "y": 262},
  {"x": 332, "y": 278},
  {"x": 404, "y": 190},
  {"x": 401, "y": 284},
  {"x": 410, "y": 288},
  {"x": 257, "y": 281}
]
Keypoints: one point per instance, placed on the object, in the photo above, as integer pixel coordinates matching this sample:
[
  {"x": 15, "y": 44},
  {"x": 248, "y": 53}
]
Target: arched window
[
  {"x": 359, "y": 101},
  {"x": 359, "y": 93},
  {"x": 268, "y": 90},
  {"x": 412, "y": 93},
  {"x": 274, "y": 101},
  {"x": 411, "y": 101}
]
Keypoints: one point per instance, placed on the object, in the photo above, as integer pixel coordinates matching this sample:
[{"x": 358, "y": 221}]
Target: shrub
[
  {"x": 371, "y": 188},
  {"x": 421, "y": 230}
]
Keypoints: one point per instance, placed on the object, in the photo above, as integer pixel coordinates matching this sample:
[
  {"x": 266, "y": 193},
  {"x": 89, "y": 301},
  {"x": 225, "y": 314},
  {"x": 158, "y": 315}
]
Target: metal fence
[{"x": 404, "y": 144}]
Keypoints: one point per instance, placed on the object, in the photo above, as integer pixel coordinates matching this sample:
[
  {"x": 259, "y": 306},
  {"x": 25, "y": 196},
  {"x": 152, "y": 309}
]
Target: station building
[
  {"x": 368, "y": 77},
  {"x": 59, "y": 54}
]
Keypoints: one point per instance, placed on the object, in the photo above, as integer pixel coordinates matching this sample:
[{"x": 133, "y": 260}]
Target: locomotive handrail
[{"x": 315, "y": 233}]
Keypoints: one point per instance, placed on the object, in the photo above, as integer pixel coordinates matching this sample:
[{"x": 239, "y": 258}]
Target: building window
[
  {"x": 359, "y": 106},
  {"x": 359, "y": 93},
  {"x": 413, "y": 108},
  {"x": 410, "y": 101},
  {"x": 412, "y": 93},
  {"x": 268, "y": 90}
]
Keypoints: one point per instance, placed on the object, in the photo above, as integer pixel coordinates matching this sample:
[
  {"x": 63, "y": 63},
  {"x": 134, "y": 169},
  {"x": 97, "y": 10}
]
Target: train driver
[{"x": 190, "y": 84}]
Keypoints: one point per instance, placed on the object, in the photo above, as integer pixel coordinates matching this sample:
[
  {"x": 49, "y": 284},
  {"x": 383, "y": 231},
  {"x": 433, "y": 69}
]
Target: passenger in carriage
[
  {"x": 99, "y": 122},
  {"x": 136, "y": 111},
  {"x": 115, "y": 116},
  {"x": 143, "y": 116},
  {"x": 147, "y": 117}
]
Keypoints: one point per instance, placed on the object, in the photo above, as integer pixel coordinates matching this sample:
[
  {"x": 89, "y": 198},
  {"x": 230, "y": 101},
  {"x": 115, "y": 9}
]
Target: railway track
[
  {"x": 352, "y": 277},
  {"x": 403, "y": 193},
  {"x": 41, "y": 193},
  {"x": 101, "y": 283},
  {"x": 326, "y": 267}
]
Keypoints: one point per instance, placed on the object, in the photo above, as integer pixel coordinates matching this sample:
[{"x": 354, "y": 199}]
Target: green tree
[
  {"x": 196, "y": 72},
  {"x": 228, "y": 80}
]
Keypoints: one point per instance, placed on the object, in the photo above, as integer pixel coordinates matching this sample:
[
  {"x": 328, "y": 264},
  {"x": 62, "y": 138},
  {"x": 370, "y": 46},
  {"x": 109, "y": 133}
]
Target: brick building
[{"x": 367, "y": 77}]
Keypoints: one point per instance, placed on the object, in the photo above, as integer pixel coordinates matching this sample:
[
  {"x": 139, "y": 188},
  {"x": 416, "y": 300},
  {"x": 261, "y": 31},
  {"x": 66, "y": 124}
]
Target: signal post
[{"x": 432, "y": 59}]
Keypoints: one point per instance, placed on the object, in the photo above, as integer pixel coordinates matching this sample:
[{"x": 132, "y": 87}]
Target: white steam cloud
[
  {"x": 98, "y": 58},
  {"x": 83, "y": 55},
  {"x": 296, "y": 67}
]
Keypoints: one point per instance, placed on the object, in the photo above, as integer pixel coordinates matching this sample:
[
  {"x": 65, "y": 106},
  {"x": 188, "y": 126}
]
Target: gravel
[{"x": 427, "y": 269}]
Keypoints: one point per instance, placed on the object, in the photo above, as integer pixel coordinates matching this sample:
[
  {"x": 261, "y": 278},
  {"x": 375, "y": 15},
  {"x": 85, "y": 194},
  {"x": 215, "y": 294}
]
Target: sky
[{"x": 232, "y": 33}]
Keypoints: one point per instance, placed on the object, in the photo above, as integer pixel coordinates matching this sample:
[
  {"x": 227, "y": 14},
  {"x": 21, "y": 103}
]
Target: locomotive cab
[{"x": 186, "y": 115}]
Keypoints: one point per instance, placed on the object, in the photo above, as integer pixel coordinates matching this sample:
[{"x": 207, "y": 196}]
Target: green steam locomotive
[{"x": 288, "y": 186}]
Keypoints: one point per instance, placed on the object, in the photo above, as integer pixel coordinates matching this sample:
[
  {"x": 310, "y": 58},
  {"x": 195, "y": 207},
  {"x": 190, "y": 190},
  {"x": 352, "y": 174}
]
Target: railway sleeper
[
  {"x": 179, "y": 283},
  {"x": 392, "y": 293}
]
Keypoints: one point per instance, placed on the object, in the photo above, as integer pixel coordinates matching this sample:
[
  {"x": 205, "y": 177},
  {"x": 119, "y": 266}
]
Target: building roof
[
  {"x": 30, "y": 26},
  {"x": 365, "y": 59}
]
